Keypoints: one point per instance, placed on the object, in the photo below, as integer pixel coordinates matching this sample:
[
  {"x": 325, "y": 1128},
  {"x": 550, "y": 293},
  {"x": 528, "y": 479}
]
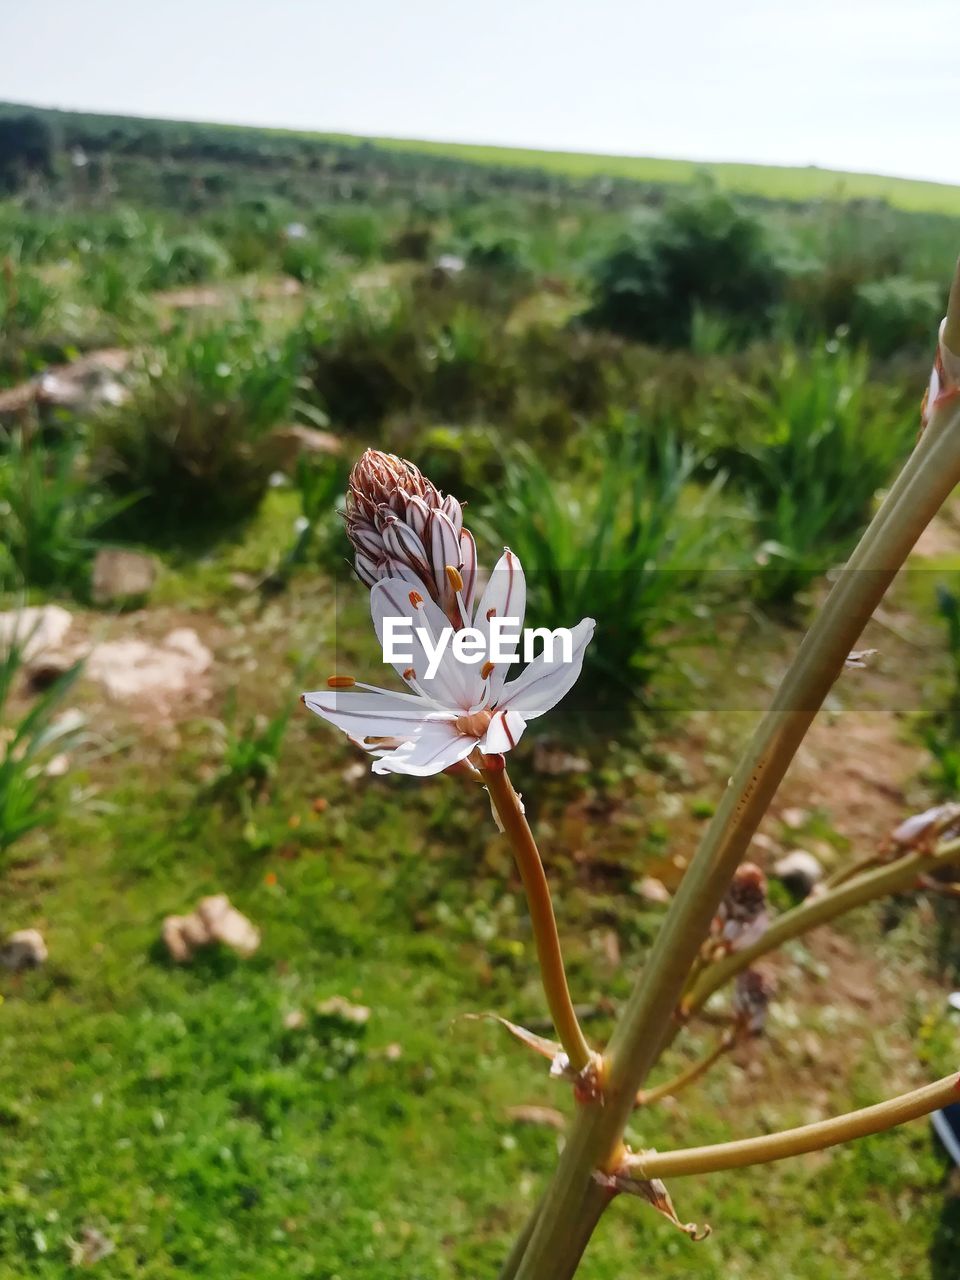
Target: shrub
[
  {"x": 27, "y": 145},
  {"x": 629, "y": 549},
  {"x": 360, "y": 233},
  {"x": 815, "y": 443},
  {"x": 192, "y": 439},
  {"x": 51, "y": 516},
  {"x": 703, "y": 252},
  {"x": 29, "y": 311},
  {"x": 185, "y": 260},
  {"x": 897, "y": 313}
]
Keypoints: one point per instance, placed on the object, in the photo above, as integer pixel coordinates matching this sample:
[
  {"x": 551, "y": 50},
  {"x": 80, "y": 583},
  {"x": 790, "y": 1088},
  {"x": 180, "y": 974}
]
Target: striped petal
[
  {"x": 504, "y": 732},
  {"x": 505, "y": 596},
  {"x": 435, "y": 748},
  {"x": 403, "y": 544},
  {"x": 444, "y": 550},
  {"x": 370, "y": 715},
  {"x": 543, "y": 683},
  {"x": 468, "y": 567}
]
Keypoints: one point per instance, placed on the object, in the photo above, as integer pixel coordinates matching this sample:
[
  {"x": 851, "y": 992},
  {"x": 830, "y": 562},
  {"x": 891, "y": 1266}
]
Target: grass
[{"x": 175, "y": 1110}]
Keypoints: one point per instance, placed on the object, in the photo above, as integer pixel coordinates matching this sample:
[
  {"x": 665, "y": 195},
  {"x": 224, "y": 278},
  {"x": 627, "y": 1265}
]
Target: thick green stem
[
  {"x": 867, "y": 887},
  {"x": 595, "y": 1139},
  {"x": 544, "y": 923},
  {"x": 795, "y": 1142}
]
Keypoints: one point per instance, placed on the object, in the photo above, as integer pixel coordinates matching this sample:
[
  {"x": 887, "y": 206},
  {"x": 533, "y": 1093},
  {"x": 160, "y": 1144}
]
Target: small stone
[
  {"x": 120, "y": 576},
  {"x": 795, "y": 818},
  {"x": 24, "y": 949},
  {"x": 340, "y": 1007},
  {"x": 354, "y": 772},
  {"x": 447, "y": 266},
  {"x": 295, "y": 1020},
  {"x": 228, "y": 925},
  {"x": 215, "y": 920},
  {"x": 765, "y": 843},
  {"x": 653, "y": 890},
  {"x": 93, "y": 1246},
  {"x": 799, "y": 870},
  {"x": 393, "y": 1052}
]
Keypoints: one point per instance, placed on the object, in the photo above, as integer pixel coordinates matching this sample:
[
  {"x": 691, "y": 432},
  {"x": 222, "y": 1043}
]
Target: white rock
[
  {"x": 799, "y": 871},
  {"x": 130, "y": 669},
  {"x": 24, "y": 949},
  {"x": 37, "y": 629}
]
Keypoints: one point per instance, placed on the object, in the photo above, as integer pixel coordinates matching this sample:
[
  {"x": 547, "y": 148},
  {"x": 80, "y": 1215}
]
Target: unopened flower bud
[
  {"x": 753, "y": 992},
  {"x": 402, "y": 526},
  {"x": 742, "y": 916}
]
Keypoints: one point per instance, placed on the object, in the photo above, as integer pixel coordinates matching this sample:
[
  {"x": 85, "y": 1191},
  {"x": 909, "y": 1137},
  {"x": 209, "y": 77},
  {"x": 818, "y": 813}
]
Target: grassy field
[
  {"x": 209, "y": 1120},
  {"x": 770, "y": 182}
]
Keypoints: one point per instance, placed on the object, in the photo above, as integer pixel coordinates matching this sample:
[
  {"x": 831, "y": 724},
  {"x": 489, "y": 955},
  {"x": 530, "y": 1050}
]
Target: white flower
[{"x": 464, "y": 705}]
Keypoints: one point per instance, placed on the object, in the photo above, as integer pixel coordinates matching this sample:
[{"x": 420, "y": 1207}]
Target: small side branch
[
  {"x": 646, "y": 1097},
  {"x": 795, "y": 1142}
]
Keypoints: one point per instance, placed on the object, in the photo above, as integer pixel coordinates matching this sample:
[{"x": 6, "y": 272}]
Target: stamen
[
  {"x": 486, "y": 669},
  {"x": 416, "y": 599},
  {"x": 340, "y": 682},
  {"x": 409, "y": 673},
  {"x": 491, "y": 613},
  {"x": 453, "y": 577}
]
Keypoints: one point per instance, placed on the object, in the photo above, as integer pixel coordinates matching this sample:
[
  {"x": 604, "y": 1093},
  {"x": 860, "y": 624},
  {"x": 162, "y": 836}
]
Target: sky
[{"x": 871, "y": 85}]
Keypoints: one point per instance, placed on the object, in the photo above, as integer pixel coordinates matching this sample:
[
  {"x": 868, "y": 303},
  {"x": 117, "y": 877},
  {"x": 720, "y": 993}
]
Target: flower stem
[
  {"x": 795, "y": 1142},
  {"x": 926, "y": 480},
  {"x": 552, "y": 972},
  {"x": 893, "y": 878}
]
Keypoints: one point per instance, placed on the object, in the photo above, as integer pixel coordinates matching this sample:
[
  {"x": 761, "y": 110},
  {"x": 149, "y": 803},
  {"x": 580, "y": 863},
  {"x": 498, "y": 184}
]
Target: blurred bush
[
  {"x": 184, "y": 260},
  {"x": 896, "y": 314},
  {"x": 27, "y": 743},
  {"x": 811, "y": 444},
  {"x": 193, "y": 438},
  {"x": 704, "y": 252},
  {"x": 51, "y": 515},
  {"x": 630, "y": 542}
]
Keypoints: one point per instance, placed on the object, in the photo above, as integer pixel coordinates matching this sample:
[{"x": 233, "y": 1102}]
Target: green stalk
[
  {"x": 595, "y": 1140},
  {"x": 796, "y": 1142}
]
